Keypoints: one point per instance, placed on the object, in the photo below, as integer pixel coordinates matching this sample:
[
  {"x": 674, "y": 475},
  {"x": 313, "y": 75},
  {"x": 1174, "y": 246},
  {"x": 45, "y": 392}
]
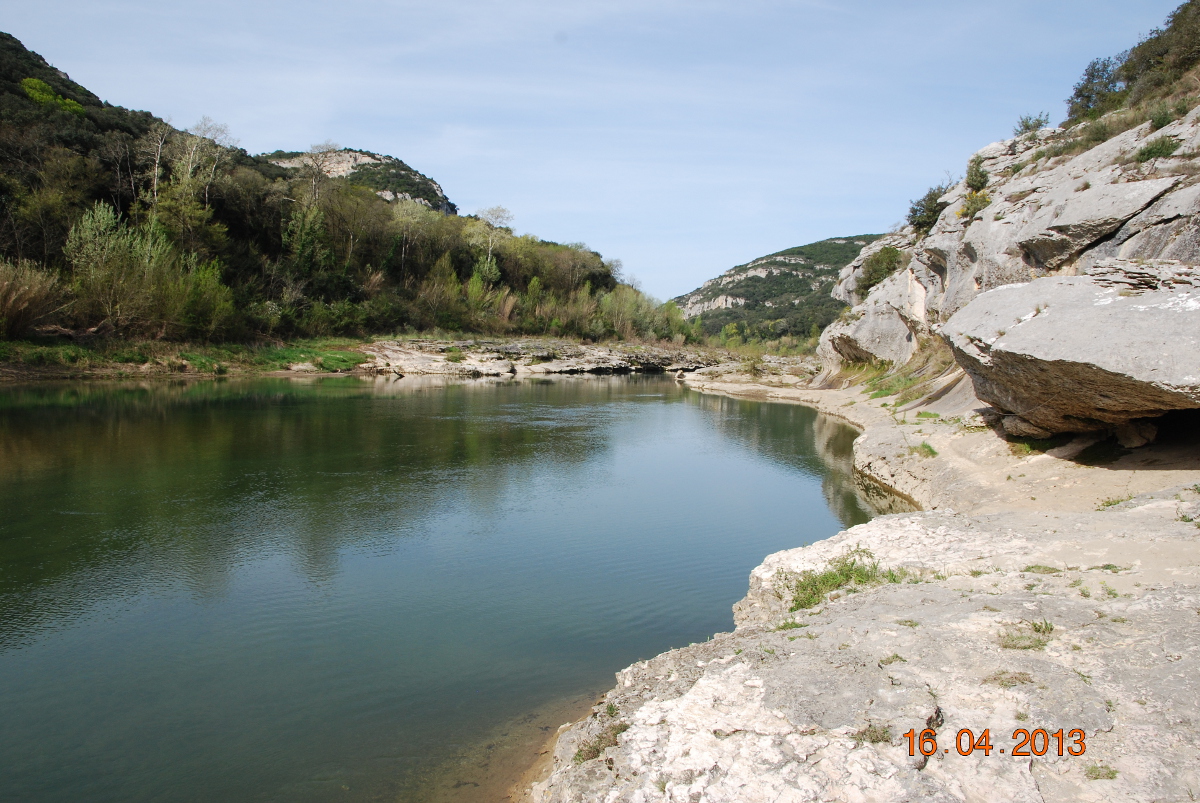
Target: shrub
[
  {"x": 1158, "y": 148},
  {"x": 42, "y": 94},
  {"x": 208, "y": 311},
  {"x": 924, "y": 212},
  {"x": 877, "y": 267},
  {"x": 1029, "y": 124},
  {"x": 974, "y": 203},
  {"x": 126, "y": 278},
  {"x": 27, "y": 295},
  {"x": 977, "y": 177},
  {"x": 1161, "y": 117}
]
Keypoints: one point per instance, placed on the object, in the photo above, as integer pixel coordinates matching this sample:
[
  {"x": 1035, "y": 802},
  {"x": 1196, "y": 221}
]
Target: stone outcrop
[
  {"x": 1043, "y": 216},
  {"x": 1074, "y": 621},
  {"x": 485, "y": 358},
  {"x": 1111, "y": 350}
]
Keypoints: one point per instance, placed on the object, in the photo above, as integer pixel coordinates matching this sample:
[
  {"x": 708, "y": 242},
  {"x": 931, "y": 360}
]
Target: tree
[
  {"x": 318, "y": 162},
  {"x": 216, "y": 144},
  {"x": 153, "y": 147},
  {"x": 488, "y": 231},
  {"x": 924, "y": 212},
  {"x": 1098, "y": 89}
]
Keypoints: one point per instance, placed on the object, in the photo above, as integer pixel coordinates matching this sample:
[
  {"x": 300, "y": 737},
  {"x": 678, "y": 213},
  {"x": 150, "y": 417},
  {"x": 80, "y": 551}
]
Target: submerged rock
[{"x": 1106, "y": 351}]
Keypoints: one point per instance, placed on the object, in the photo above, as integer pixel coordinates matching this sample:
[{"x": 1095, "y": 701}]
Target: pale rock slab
[{"x": 1086, "y": 353}]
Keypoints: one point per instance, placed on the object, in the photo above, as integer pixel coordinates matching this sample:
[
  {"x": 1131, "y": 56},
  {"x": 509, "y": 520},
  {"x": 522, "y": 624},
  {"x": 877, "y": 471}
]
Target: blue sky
[{"x": 680, "y": 137}]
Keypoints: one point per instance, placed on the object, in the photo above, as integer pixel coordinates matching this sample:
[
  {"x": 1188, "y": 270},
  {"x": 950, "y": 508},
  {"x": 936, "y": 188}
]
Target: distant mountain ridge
[{"x": 786, "y": 292}]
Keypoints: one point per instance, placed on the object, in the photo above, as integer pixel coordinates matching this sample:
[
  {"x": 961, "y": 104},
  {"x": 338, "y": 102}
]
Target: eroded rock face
[
  {"x": 886, "y": 326},
  {"x": 816, "y": 709},
  {"x": 1105, "y": 351},
  {"x": 1047, "y": 216}
]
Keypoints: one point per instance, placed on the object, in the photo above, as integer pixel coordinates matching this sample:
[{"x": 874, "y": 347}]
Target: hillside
[
  {"x": 117, "y": 225},
  {"x": 782, "y": 293}
]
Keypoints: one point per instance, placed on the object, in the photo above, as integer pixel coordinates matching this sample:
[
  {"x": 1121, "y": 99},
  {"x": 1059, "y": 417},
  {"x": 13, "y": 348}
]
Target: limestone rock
[
  {"x": 1085, "y": 353},
  {"x": 482, "y": 358},
  {"x": 1048, "y": 216},
  {"x": 812, "y": 705}
]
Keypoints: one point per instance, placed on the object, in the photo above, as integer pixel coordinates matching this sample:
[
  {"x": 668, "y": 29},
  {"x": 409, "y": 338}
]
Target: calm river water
[{"x": 350, "y": 590}]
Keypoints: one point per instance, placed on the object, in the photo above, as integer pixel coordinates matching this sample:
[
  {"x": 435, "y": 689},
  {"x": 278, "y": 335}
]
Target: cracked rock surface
[{"x": 812, "y": 704}]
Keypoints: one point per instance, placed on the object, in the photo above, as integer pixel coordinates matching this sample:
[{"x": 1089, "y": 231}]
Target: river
[{"x": 347, "y": 589}]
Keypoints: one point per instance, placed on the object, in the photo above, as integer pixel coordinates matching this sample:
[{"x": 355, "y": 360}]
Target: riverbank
[
  {"x": 1049, "y": 584},
  {"x": 430, "y": 354}
]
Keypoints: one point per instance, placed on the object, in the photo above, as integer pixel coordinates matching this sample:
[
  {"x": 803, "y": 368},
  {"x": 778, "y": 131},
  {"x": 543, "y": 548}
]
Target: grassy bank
[{"x": 55, "y": 359}]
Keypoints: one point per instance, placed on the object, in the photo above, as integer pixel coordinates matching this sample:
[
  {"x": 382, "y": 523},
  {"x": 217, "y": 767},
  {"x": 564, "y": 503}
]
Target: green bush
[
  {"x": 1158, "y": 148},
  {"x": 1161, "y": 117},
  {"x": 27, "y": 295},
  {"x": 208, "y": 311},
  {"x": 1030, "y": 124},
  {"x": 974, "y": 203},
  {"x": 127, "y": 278},
  {"x": 977, "y": 177},
  {"x": 924, "y": 212},
  {"x": 877, "y": 267}
]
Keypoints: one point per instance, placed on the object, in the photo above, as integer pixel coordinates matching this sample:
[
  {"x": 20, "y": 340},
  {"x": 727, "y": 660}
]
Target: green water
[{"x": 308, "y": 591}]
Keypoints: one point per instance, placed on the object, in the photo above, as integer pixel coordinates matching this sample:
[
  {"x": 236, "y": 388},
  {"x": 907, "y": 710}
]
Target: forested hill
[
  {"x": 785, "y": 293},
  {"x": 113, "y": 222}
]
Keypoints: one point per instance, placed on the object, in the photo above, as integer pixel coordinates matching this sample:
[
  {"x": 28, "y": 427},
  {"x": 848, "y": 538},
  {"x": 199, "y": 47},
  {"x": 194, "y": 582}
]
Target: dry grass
[
  {"x": 27, "y": 295},
  {"x": 1006, "y": 680}
]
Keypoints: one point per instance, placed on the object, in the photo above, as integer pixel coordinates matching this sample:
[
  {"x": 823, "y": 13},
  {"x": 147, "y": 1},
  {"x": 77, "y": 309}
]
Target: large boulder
[{"x": 1110, "y": 350}]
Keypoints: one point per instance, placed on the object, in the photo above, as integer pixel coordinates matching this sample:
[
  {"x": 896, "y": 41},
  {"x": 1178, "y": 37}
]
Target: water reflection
[{"x": 271, "y": 589}]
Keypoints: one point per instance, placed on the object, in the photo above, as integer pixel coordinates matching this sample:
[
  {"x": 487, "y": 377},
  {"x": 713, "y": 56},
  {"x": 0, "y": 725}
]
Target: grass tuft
[
  {"x": 855, "y": 566},
  {"x": 874, "y": 734},
  {"x": 1113, "y": 501},
  {"x": 596, "y": 747},
  {"x": 1006, "y": 680},
  {"x": 1099, "y": 772}
]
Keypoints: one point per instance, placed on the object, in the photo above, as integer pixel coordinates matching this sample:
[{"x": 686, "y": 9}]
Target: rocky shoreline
[
  {"x": 1034, "y": 591},
  {"x": 525, "y": 357}
]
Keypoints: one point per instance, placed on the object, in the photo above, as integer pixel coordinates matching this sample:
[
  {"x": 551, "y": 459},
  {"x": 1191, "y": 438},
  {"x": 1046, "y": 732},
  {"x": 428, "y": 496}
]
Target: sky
[{"x": 681, "y": 137}]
